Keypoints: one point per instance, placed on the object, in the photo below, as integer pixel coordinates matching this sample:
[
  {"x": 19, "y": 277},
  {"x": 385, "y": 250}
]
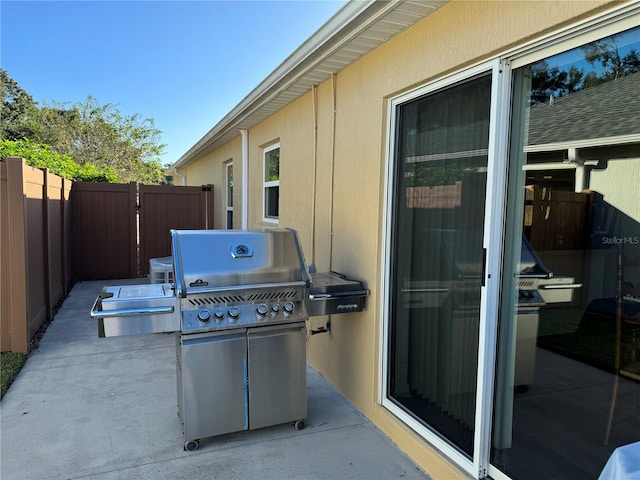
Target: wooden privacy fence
[
  {"x": 54, "y": 231},
  {"x": 105, "y": 230},
  {"x": 119, "y": 227},
  {"x": 35, "y": 263},
  {"x": 163, "y": 207}
]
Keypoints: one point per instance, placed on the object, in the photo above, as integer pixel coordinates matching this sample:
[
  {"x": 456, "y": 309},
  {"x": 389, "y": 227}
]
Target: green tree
[
  {"x": 90, "y": 133},
  {"x": 101, "y": 135},
  {"x": 17, "y": 105},
  {"x": 41, "y": 156},
  {"x": 553, "y": 81},
  {"x": 605, "y": 63},
  {"x": 604, "y": 56}
]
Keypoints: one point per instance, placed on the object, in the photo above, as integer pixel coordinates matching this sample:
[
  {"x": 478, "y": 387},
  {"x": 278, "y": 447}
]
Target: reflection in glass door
[
  {"x": 438, "y": 260},
  {"x": 568, "y": 371}
]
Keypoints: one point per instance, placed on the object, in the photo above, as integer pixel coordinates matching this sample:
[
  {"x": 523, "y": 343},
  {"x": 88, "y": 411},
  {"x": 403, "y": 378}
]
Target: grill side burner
[{"x": 136, "y": 309}]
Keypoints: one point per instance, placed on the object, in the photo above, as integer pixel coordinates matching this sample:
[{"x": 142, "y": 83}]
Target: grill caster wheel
[
  {"x": 299, "y": 425},
  {"x": 192, "y": 445}
]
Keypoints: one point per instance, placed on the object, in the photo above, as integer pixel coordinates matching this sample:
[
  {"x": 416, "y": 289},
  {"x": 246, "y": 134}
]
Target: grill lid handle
[
  {"x": 305, "y": 274},
  {"x": 97, "y": 312},
  {"x": 130, "y": 312}
]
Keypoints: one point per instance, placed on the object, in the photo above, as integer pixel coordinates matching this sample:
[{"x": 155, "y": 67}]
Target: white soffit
[{"x": 359, "y": 27}]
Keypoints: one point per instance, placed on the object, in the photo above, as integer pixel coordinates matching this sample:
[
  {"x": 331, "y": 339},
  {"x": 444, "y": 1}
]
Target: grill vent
[
  {"x": 237, "y": 298},
  {"x": 217, "y": 300},
  {"x": 264, "y": 296}
]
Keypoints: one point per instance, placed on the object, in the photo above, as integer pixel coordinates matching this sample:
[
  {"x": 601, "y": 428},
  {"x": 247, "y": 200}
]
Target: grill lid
[{"x": 206, "y": 260}]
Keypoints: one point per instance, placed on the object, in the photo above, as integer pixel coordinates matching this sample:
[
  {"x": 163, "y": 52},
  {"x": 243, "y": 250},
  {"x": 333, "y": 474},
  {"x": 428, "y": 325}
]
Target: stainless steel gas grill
[
  {"x": 242, "y": 349},
  {"x": 238, "y": 303}
]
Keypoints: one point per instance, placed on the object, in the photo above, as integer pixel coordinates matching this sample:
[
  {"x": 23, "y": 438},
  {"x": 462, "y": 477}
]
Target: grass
[{"x": 10, "y": 365}]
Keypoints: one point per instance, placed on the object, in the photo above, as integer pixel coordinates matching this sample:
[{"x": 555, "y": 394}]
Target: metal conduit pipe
[
  {"x": 314, "y": 99},
  {"x": 333, "y": 161},
  {"x": 245, "y": 178}
]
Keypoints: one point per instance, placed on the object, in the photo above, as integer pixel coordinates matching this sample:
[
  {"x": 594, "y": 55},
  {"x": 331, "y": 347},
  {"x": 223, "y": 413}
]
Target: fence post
[
  {"x": 54, "y": 240},
  {"x": 46, "y": 243},
  {"x": 65, "y": 215},
  {"x": 133, "y": 222},
  {"x": 18, "y": 320}
]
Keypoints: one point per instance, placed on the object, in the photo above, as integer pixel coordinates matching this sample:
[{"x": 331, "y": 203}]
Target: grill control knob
[
  {"x": 204, "y": 315},
  {"x": 262, "y": 310},
  {"x": 218, "y": 314},
  {"x": 275, "y": 308},
  {"x": 234, "y": 313},
  {"x": 289, "y": 307}
]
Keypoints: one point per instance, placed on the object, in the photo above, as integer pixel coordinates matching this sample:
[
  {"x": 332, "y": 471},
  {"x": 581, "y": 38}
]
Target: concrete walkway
[{"x": 105, "y": 409}]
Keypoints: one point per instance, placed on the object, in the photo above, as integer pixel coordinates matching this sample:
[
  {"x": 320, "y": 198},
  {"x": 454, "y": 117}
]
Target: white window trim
[
  {"x": 228, "y": 208},
  {"x": 265, "y": 185}
]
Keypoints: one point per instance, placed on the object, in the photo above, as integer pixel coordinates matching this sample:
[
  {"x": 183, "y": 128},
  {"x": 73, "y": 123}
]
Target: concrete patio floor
[{"x": 105, "y": 408}]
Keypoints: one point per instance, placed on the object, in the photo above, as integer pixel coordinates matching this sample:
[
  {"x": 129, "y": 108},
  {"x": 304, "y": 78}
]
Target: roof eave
[{"x": 346, "y": 24}]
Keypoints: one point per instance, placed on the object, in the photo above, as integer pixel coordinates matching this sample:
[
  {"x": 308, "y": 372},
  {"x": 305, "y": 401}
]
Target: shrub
[{"x": 41, "y": 156}]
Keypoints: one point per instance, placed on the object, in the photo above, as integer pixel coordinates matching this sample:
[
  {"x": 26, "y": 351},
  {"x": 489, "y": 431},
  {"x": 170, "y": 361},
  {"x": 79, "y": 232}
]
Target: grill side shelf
[{"x": 120, "y": 313}]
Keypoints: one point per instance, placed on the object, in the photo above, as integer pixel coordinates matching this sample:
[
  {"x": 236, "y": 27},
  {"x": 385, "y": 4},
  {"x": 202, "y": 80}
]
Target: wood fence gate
[{"x": 119, "y": 227}]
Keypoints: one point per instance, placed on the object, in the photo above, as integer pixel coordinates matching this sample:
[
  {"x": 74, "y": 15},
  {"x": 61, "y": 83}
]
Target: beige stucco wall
[
  {"x": 340, "y": 220},
  {"x": 618, "y": 185},
  {"x": 211, "y": 170}
]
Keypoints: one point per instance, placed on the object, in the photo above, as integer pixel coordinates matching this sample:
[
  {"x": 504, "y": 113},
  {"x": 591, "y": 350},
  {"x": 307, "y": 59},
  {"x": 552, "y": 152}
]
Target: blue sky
[{"x": 184, "y": 64}]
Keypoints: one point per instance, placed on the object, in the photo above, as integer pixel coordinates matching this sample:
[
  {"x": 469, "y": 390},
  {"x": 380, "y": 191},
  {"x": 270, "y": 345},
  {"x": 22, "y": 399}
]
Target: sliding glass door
[
  {"x": 437, "y": 259},
  {"x": 512, "y": 281},
  {"x": 568, "y": 371}
]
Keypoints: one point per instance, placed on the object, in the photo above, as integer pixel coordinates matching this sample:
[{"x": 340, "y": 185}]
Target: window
[
  {"x": 271, "y": 184},
  {"x": 229, "y": 182}
]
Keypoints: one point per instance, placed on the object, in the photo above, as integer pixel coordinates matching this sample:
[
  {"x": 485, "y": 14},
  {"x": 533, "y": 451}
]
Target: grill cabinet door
[
  {"x": 213, "y": 383},
  {"x": 277, "y": 374}
]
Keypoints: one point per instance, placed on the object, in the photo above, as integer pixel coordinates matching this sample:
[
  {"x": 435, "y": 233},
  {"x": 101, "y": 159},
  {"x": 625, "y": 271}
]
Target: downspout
[
  {"x": 573, "y": 156},
  {"x": 184, "y": 177},
  {"x": 245, "y": 178}
]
